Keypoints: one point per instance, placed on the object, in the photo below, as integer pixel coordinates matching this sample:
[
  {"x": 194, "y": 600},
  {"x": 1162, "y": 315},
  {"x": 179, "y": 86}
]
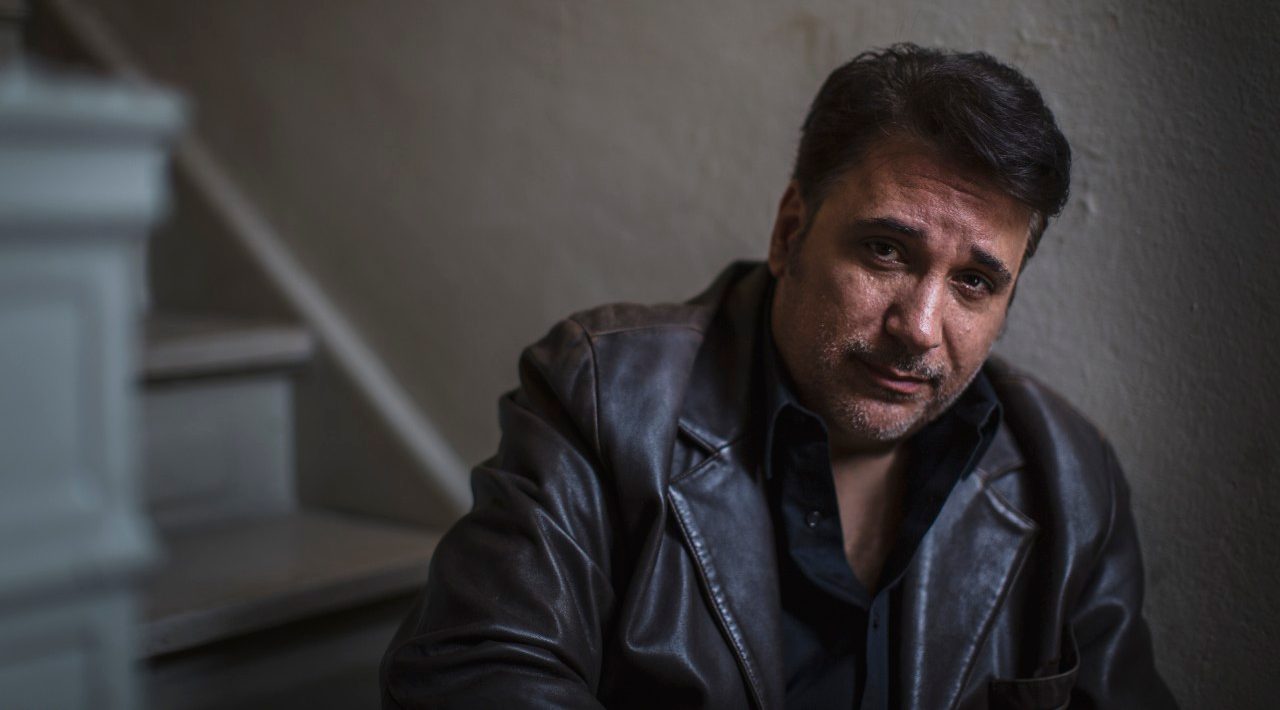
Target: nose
[{"x": 915, "y": 316}]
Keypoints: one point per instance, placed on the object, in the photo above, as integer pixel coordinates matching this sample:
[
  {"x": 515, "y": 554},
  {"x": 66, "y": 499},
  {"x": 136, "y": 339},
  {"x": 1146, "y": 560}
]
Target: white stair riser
[
  {"x": 70, "y": 651},
  {"x": 219, "y": 447}
]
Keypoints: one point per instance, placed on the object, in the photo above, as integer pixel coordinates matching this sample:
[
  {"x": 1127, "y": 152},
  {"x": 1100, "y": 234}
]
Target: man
[{"x": 809, "y": 486}]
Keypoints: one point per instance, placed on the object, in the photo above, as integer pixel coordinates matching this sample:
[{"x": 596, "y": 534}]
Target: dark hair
[{"x": 970, "y": 106}]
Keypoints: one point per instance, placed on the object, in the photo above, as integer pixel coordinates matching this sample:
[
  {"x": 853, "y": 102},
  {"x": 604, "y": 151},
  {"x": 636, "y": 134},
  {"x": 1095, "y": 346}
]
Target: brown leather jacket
[{"x": 620, "y": 552}]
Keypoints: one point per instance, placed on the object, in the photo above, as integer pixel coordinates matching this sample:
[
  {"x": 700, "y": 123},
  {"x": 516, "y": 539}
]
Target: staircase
[
  {"x": 265, "y": 594},
  {"x": 245, "y": 565}
]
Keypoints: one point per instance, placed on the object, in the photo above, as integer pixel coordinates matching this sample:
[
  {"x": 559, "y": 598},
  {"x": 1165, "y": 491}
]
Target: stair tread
[
  {"x": 189, "y": 345},
  {"x": 235, "y": 577}
]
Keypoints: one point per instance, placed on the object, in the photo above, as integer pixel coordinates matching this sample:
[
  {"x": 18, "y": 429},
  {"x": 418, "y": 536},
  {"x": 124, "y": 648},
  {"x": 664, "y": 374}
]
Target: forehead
[{"x": 909, "y": 181}]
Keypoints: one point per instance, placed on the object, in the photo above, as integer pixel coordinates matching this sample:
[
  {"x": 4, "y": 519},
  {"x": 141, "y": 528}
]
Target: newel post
[{"x": 82, "y": 181}]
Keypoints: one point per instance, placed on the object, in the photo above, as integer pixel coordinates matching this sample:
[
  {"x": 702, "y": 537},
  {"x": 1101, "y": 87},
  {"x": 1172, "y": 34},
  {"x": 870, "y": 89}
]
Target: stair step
[
  {"x": 191, "y": 346},
  {"x": 236, "y": 577},
  {"x": 219, "y": 447}
]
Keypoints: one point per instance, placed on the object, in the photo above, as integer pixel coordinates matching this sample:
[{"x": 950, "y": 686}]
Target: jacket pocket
[{"x": 1043, "y": 692}]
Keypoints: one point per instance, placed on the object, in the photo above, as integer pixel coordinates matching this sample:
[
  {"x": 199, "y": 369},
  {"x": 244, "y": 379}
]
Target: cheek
[
  {"x": 971, "y": 339},
  {"x": 862, "y": 301},
  {"x": 852, "y": 288}
]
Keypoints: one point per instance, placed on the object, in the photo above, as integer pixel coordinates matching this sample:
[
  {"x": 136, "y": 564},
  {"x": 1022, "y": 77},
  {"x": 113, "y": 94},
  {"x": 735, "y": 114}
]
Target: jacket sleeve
[
  {"x": 1116, "y": 664},
  {"x": 519, "y": 594}
]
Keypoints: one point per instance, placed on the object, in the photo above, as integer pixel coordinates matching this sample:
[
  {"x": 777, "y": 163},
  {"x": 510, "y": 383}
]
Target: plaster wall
[{"x": 460, "y": 175}]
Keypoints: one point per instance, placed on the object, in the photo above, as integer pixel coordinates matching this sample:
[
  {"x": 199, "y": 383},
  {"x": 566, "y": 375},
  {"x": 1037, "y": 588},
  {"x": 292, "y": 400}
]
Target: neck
[
  {"x": 868, "y": 463},
  {"x": 870, "y": 489}
]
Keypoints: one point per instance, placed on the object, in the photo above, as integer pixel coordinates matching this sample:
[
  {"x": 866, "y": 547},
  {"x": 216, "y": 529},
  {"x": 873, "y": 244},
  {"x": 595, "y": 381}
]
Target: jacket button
[{"x": 813, "y": 518}]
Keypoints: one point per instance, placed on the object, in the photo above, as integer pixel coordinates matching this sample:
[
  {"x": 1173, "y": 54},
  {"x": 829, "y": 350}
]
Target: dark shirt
[{"x": 838, "y": 636}]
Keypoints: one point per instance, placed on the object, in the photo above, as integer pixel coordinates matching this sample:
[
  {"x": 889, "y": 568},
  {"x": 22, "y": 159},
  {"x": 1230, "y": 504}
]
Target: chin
[{"x": 862, "y": 421}]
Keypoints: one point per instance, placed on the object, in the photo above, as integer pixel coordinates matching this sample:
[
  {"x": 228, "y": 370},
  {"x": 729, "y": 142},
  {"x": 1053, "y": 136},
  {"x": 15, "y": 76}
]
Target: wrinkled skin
[{"x": 890, "y": 296}]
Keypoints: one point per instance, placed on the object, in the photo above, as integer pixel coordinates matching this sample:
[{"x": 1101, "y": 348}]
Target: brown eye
[
  {"x": 976, "y": 283},
  {"x": 883, "y": 250}
]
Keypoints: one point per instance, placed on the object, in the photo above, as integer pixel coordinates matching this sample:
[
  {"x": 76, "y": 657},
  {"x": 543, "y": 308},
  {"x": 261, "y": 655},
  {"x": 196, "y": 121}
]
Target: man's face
[{"x": 890, "y": 297}]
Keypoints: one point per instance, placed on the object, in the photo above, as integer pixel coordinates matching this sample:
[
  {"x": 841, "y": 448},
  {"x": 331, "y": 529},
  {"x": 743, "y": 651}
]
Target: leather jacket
[{"x": 620, "y": 551}]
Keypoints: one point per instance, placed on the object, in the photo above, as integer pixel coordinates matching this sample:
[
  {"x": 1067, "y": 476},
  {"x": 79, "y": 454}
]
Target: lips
[{"x": 897, "y": 381}]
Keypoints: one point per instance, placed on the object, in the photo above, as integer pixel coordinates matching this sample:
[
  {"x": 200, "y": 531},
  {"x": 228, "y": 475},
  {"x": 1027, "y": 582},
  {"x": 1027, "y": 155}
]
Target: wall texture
[{"x": 459, "y": 175}]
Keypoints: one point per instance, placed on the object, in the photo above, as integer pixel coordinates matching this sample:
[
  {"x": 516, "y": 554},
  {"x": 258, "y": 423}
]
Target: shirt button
[
  {"x": 813, "y": 518},
  {"x": 875, "y": 621}
]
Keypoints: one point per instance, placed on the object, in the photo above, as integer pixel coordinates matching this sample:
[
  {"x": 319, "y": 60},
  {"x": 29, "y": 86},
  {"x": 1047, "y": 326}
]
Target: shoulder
[
  {"x": 622, "y": 318},
  {"x": 625, "y": 371},
  {"x": 588, "y": 340},
  {"x": 1067, "y": 460},
  {"x": 620, "y": 335},
  {"x": 613, "y": 362},
  {"x": 1034, "y": 408}
]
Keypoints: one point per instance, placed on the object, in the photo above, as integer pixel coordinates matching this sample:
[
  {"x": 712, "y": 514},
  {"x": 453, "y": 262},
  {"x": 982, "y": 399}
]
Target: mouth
[{"x": 903, "y": 384}]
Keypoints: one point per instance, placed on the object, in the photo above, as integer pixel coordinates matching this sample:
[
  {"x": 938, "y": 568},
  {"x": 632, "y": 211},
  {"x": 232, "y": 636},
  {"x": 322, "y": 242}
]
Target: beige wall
[{"x": 457, "y": 175}]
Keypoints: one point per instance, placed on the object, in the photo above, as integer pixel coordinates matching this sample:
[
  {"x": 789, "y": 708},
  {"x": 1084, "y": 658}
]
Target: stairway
[
  {"x": 259, "y": 597},
  {"x": 245, "y": 567}
]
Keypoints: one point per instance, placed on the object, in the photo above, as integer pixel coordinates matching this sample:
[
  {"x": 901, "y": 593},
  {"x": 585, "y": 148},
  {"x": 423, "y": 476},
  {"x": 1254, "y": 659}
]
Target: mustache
[{"x": 898, "y": 359}]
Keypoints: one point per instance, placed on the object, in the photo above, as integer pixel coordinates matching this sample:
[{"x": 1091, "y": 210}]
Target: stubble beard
[{"x": 854, "y": 415}]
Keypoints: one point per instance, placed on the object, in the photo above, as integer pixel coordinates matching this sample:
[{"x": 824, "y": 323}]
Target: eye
[
  {"x": 883, "y": 251},
  {"x": 975, "y": 284}
]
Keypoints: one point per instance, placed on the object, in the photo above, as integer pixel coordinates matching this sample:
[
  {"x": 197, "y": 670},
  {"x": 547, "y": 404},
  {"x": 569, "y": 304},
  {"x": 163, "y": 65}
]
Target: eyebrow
[
  {"x": 892, "y": 225},
  {"x": 989, "y": 260},
  {"x": 1003, "y": 275}
]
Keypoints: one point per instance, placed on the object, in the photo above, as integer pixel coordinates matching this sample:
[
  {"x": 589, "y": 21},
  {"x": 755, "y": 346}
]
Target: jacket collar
[{"x": 721, "y": 404}]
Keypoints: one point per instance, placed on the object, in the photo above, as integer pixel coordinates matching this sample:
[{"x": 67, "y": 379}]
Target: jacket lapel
[
  {"x": 719, "y": 502},
  {"x": 725, "y": 523},
  {"x": 957, "y": 580}
]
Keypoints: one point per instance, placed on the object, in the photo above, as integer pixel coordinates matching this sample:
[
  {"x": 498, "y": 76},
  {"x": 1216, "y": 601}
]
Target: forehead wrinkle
[
  {"x": 925, "y": 214},
  {"x": 956, "y": 209},
  {"x": 894, "y": 190}
]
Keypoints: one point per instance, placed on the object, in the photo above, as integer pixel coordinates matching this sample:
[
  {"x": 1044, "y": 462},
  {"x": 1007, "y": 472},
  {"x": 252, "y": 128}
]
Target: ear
[{"x": 788, "y": 226}]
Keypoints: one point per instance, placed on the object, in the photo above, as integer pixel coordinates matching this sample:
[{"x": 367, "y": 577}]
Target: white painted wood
[
  {"x": 237, "y": 577},
  {"x": 64, "y": 652},
  {"x": 186, "y": 346},
  {"x": 106, "y": 175},
  {"x": 68, "y": 488},
  {"x": 219, "y": 447},
  {"x": 218, "y": 415},
  {"x": 81, "y": 179}
]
